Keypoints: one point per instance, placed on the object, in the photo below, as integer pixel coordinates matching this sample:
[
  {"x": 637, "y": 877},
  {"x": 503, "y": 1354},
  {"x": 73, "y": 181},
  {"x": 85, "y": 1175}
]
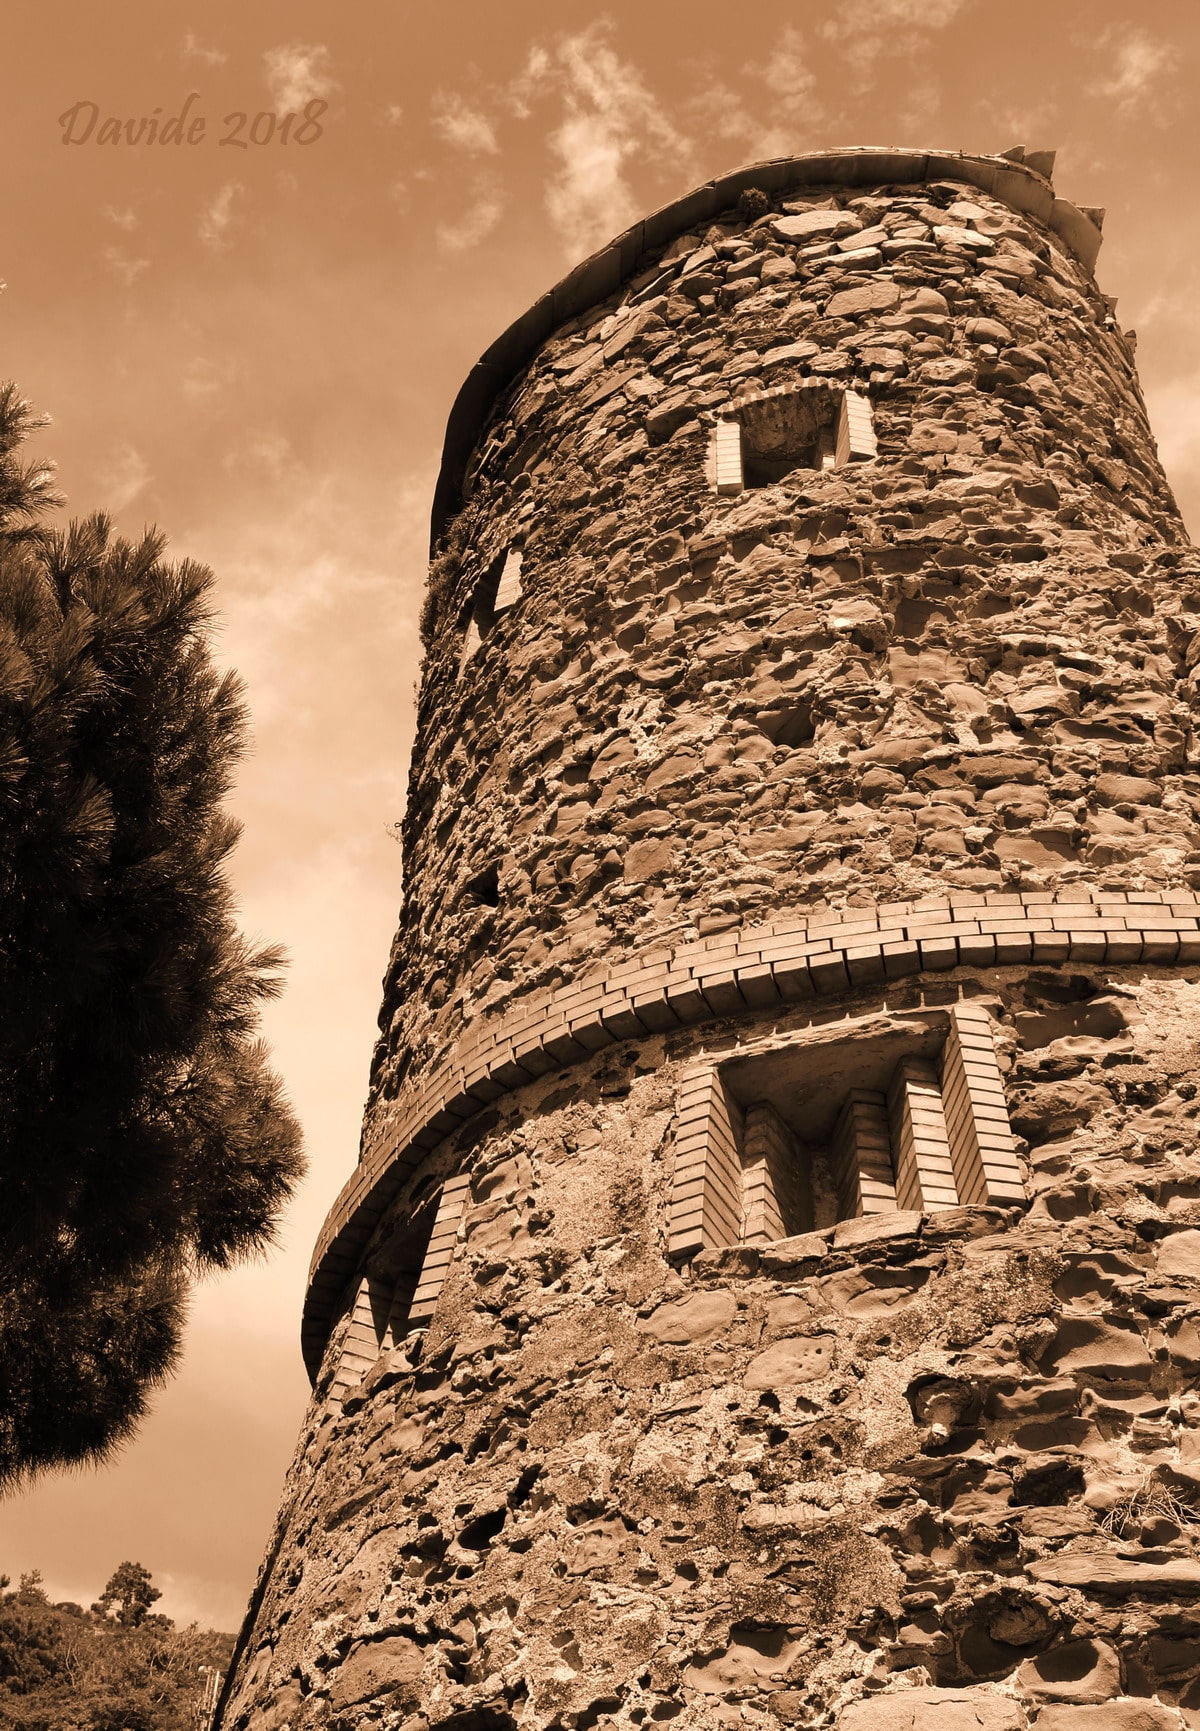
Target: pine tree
[
  {"x": 143, "y": 1137},
  {"x": 66, "y": 1669},
  {"x": 128, "y": 1596}
]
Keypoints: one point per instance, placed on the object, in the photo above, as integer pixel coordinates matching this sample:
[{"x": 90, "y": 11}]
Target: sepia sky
[{"x": 256, "y": 349}]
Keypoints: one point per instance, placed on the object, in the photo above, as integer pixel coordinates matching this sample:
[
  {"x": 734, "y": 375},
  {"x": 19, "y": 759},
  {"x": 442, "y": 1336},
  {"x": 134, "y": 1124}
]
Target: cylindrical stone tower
[{"x": 767, "y": 1295}]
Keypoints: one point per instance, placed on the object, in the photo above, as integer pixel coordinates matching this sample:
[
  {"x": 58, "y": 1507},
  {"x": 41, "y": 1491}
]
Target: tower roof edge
[{"x": 1019, "y": 185}]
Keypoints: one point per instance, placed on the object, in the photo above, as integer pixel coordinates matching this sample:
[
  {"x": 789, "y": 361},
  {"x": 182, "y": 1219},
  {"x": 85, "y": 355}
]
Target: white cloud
[
  {"x": 534, "y": 80},
  {"x": 904, "y": 14},
  {"x": 921, "y": 106},
  {"x": 393, "y": 114},
  {"x": 203, "y": 377},
  {"x": 1029, "y": 122},
  {"x": 123, "y": 265},
  {"x": 1168, "y": 306},
  {"x": 297, "y": 72},
  {"x": 793, "y": 111},
  {"x": 194, "y": 49},
  {"x": 476, "y": 220},
  {"x": 786, "y": 72},
  {"x": 123, "y": 477},
  {"x": 265, "y": 450},
  {"x": 297, "y": 589},
  {"x": 126, "y": 220},
  {"x": 463, "y": 126},
  {"x": 610, "y": 121},
  {"x": 721, "y": 113},
  {"x": 219, "y": 214},
  {"x": 1139, "y": 64},
  {"x": 865, "y": 31}
]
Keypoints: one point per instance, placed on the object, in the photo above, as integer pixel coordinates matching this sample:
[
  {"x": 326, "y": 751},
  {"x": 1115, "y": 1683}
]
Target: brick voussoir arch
[{"x": 743, "y": 970}]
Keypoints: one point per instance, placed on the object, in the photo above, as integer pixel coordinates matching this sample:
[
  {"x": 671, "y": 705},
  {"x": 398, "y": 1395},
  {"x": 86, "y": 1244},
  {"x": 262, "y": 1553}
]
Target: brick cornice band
[{"x": 742, "y": 970}]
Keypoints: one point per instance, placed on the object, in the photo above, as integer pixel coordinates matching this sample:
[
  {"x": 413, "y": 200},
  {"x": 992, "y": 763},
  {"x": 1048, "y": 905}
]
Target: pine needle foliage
[{"x": 143, "y": 1137}]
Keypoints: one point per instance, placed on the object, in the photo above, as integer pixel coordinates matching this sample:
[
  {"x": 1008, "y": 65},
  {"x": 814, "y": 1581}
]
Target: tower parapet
[{"x": 764, "y": 1294}]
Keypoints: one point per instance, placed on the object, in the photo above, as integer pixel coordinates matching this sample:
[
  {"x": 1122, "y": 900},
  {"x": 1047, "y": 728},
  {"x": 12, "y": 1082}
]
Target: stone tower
[{"x": 767, "y": 1294}]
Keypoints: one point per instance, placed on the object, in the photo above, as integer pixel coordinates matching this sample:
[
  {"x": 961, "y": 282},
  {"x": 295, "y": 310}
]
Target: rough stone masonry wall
[
  {"x": 936, "y": 1473},
  {"x": 987, "y": 631},
  {"x": 930, "y": 1471}
]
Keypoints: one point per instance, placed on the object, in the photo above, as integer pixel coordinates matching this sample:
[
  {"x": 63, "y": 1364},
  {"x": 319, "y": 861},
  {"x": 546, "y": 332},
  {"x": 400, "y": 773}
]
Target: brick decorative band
[{"x": 786, "y": 961}]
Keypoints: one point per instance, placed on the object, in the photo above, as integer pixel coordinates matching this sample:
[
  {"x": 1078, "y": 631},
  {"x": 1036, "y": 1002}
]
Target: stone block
[
  {"x": 925, "y": 1709},
  {"x": 1126, "y": 1714},
  {"x": 1082, "y": 1671},
  {"x": 691, "y": 1321},
  {"x": 791, "y": 1253},
  {"x": 791, "y": 1361},
  {"x": 648, "y": 859},
  {"x": 870, "y": 1229},
  {"x": 872, "y": 297},
  {"x": 811, "y": 225},
  {"x": 1108, "y": 1575},
  {"x": 387, "y": 1668},
  {"x": 1178, "y": 1255}
]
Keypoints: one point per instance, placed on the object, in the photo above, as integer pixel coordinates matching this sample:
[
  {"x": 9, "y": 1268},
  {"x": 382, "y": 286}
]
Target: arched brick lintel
[{"x": 747, "y": 969}]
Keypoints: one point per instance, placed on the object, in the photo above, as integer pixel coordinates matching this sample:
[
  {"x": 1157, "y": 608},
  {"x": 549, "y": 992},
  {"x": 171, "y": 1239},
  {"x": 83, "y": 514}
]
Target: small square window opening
[
  {"x": 889, "y": 1113},
  {"x": 760, "y": 439}
]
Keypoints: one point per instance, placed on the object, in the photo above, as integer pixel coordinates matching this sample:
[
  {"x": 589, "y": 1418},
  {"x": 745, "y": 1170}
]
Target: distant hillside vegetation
[{"x": 116, "y": 1667}]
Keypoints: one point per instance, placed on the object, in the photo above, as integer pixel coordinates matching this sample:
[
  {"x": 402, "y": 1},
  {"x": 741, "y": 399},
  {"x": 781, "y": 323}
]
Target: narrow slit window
[
  {"x": 498, "y": 589},
  {"x": 397, "y": 1295}
]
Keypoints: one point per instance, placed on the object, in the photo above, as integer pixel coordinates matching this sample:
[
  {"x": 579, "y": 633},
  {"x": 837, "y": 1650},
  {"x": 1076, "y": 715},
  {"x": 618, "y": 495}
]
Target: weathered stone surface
[
  {"x": 691, "y": 1321},
  {"x": 1112, "y": 1349},
  {"x": 1125, "y": 1715},
  {"x": 1127, "y": 790},
  {"x": 934, "y": 1710},
  {"x": 814, "y": 224},
  {"x": 871, "y": 298},
  {"x": 1179, "y": 1255},
  {"x": 757, "y": 1658},
  {"x": 647, "y": 859},
  {"x": 791, "y": 1361},
  {"x": 786, "y": 1253},
  {"x": 875, "y": 1228},
  {"x": 767, "y": 785},
  {"x": 1102, "y": 1572},
  {"x": 390, "y": 1667},
  {"x": 1081, "y": 1671}
]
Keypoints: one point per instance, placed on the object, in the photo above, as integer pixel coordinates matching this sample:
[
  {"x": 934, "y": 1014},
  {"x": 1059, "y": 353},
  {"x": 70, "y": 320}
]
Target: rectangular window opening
[
  {"x": 766, "y": 437},
  {"x": 890, "y": 1114}
]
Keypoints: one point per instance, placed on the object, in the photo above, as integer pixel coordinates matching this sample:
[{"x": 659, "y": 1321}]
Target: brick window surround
[
  {"x": 791, "y": 960},
  {"x": 812, "y": 425},
  {"x": 399, "y": 1292},
  {"x": 888, "y": 1113}
]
